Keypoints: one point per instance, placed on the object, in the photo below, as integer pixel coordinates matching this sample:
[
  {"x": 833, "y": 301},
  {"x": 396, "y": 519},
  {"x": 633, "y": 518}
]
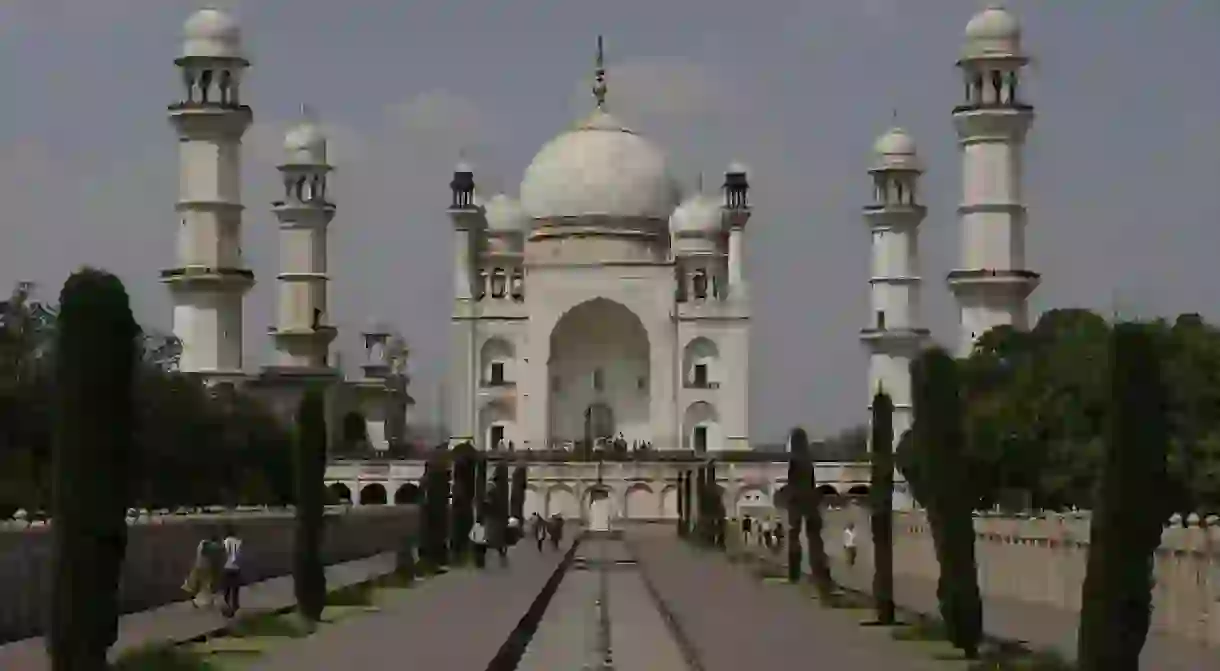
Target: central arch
[{"x": 599, "y": 377}]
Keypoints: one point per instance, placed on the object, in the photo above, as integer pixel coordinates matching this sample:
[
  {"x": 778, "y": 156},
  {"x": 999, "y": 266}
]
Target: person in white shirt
[
  {"x": 849, "y": 543},
  {"x": 231, "y": 578},
  {"x": 478, "y": 538}
]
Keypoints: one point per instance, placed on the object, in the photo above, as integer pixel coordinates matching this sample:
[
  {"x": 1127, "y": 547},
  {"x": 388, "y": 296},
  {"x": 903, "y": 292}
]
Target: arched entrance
[
  {"x": 599, "y": 382},
  {"x": 407, "y": 494},
  {"x": 599, "y": 422},
  {"x": 339, "y": 493},
  {"x": 600, "y": 509},
  {"x": 373, "y": 495}
]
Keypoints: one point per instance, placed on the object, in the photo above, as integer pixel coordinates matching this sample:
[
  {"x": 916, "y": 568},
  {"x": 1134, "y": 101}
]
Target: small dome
[
  {"x": 505, "y": 215},
  {"x": 895, "y": 150},
  {"x": 697, "y": 215},
  {"x": 305, "y": 143},
  {"x": 993, "y": 32},
  {"x": 599, "y": 168},
  {"x": 211, "y": 33}
]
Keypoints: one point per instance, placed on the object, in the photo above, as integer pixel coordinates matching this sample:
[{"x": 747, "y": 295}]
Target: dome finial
[
  {"x": 699, "y": 182},
  {"x": 599, "y": 76},
  {"x": 307, "y": 113}
]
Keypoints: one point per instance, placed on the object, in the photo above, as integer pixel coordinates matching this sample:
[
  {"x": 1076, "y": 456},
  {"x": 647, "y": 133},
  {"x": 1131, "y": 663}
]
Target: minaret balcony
[
  {"x": 212, "y": 106},
  {"x": 322, "y": 332},
  {"x": 203, "y": 120},
  {"x": 896, "y": 335},
  {"x": 293, "y": 209},
  {"x": 1019, "y": 282},
  {"x": 1017, "y": 107},
  {"x": 884, "y": 212},
  {"x": 203, "y": 276}
]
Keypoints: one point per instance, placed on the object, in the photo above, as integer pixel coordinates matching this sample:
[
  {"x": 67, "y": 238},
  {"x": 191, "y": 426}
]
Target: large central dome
[{"x": 599, "y": 168}]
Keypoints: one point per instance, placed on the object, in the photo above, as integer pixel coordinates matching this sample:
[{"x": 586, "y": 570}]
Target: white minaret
[
  {"x": 991, "y": 283},
  {"x": 303, "y": 333},
  {"x": 210, "y": 280},
  {"x": 894, "y": 335}
]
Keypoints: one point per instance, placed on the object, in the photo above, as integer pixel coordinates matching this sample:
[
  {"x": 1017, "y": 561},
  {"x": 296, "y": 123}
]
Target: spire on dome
[
  {"x": 307, "y": 113},
  {"x": 599, "y": 76}
]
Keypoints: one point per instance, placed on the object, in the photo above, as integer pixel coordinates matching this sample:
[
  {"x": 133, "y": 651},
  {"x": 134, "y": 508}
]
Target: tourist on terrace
[{"x": 204, "y": 577}]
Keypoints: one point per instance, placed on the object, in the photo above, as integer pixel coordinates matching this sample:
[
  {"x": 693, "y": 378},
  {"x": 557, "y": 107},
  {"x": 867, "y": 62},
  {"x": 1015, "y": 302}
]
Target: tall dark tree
[
  {"x": 480, "y": 488},
  {"x": 811, "y": 507},
  {"x": 681, "y": 489},
  {"x": 716, "y": 505},
  {"x": 308, "y": 573},
  {"x": 436, "y": 510},
  {"x": 798, "y": 499},
  {"x": 517, "y": 500},
  {"x": 1126, "y": 528},
  {"x": 499, "y": 494},
  {"x": 465, "y": 470},
  {"x": 881, "y": 493},
  {"x": 939, "y": 447},
  {"x": 95, "y": 368}
]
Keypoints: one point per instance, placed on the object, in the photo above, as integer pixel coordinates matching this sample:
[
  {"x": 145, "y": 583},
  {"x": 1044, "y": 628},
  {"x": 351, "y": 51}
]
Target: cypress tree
[
  {"x": 938, "y": 445},
  {"x": 465, "y": 468},
  {"x": 716, "y": 503},
  {"x": 798, "y": 453},
  {"x": 1127, "y": 526},
  {"x": 819, "y": 565},
  {"x": 308, "y": 574},
  {"x": 517, "y": 501},
  {"x": 500, "y": 494},
  {"x": 881, "y": 492},
  {"x": 480, "y": 487},
  {"x": 681, "y": 491},
  {"x": 95, "y": 367},
  {"x": 436, "y": 510}
]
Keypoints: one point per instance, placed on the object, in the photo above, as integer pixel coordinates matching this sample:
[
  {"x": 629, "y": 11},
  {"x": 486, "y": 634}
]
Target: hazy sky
[{"x": 1123, "y": 165}]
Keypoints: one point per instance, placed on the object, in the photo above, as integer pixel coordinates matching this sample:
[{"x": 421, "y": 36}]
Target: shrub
[
  {"x": 436, "y": 511},
  {"x": 1127, "y": 526},
  {"x": 939, "y": 450},
  {"x": 95, "y": 368},
  {"x": 308, "y": 574},
  {"x": 881, "y": 491}
]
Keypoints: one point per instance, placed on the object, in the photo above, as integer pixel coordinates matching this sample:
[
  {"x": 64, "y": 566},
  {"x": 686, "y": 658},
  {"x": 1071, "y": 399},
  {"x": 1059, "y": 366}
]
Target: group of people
[
  {"x": 487, "y": 535},
  {"x": 217, "y": 568},
  {"x": 771, "y": 535}
]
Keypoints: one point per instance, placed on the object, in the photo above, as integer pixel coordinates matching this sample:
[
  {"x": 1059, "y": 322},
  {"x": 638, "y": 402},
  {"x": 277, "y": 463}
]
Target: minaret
[
  {"x": 894, "y": 336},
  {"x": 992, "y": 283},
  {"x": 467, "y": 218},
  {"x": 209, "y": 282},
  {"x": 303, "y": 332},
  {"x": 736, "y": 216}
]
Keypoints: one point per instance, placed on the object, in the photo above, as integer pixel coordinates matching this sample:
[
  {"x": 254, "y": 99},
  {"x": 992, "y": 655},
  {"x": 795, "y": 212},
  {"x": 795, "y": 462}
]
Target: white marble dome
[
  {"x": 993, "y": 32},
  {"x": 895, "y": 150},
  {"x": 505, "y": 215},
  {"x": 305, "y": 144},
  {"x": 698, "y": 215},
  {"x": 211, "y": 33},
  {"x": 599, "y": 168}
]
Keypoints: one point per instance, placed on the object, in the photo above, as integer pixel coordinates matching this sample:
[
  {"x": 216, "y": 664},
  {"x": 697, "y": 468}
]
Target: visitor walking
[
  {"x": 745, "y": 530},
  {"x": 478, "y": 538},
  {"x": 849, "y": 543},
  {"x": 202, "y": 582},
  {"x": 538, "y": 528},
  {"x": 514, "y": 530},
  {"x": 231, "y": 576},
  {"x": 555, "y": 531}
]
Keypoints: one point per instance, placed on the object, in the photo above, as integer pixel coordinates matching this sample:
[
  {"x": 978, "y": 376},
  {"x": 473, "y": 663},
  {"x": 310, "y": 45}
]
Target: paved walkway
[
  {"x": 181, "y": 622},
  {"x": 455, "y": 622},
  {"x": 733, "y": 622}
]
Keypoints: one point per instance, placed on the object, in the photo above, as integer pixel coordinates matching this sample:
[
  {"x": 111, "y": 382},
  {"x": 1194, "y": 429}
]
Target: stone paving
[
  {"x": 567, "y": 636},
  {"x": 733, "y": 622},
  {"x": 455, "y": 622},
  {"x": 180, "y": 621}
]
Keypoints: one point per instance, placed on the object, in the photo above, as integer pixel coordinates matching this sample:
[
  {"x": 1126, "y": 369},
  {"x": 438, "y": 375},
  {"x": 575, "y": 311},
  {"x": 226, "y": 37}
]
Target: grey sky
[{"x": 1122, "y": 169}]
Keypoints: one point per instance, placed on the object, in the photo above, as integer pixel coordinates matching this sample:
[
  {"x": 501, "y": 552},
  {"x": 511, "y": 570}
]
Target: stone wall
[
  {"x": 161, "y": 551},
  {"x": 1043, "y": 561}
]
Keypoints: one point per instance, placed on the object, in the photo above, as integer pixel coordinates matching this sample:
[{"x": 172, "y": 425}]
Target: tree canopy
[
  {"x": 194, "y": 447},
  {"x": 1035, "y": 407}
]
